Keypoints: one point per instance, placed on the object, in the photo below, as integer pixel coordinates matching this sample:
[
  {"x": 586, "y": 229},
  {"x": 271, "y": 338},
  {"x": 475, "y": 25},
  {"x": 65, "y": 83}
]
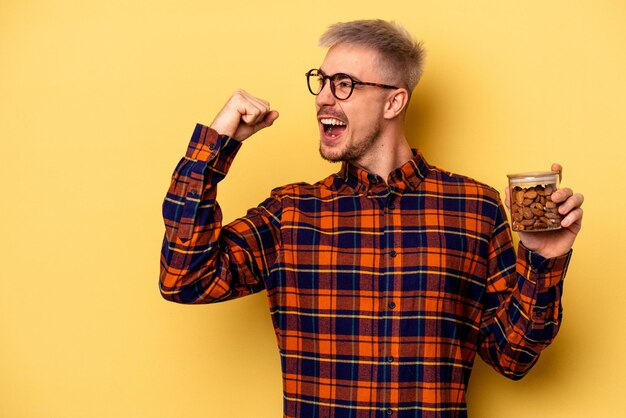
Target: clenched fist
[{"x": 243, "y": 115}]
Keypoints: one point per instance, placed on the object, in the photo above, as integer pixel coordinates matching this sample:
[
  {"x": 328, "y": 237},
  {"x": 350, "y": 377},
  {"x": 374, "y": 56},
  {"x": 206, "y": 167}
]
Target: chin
[{"x": 331, "y": 154}]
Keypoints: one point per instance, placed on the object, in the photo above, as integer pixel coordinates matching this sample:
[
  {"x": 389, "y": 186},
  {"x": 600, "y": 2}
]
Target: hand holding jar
[{"x": 546, "y": 218}]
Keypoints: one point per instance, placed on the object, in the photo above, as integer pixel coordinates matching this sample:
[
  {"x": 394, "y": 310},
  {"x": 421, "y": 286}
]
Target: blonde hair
[{"x": 401, "y": 55}]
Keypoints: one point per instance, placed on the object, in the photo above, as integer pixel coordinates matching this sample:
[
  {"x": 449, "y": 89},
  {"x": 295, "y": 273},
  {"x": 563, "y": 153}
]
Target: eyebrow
[{"x": 355, "y": 78}]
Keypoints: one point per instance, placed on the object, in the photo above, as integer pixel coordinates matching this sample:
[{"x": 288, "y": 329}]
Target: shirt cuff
[
  {"x": 548, "y": 271},
  {"x": 206, "y": 144}
]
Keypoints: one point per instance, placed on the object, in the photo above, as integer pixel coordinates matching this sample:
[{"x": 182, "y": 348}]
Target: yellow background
[{"x": 99, "y": 99}]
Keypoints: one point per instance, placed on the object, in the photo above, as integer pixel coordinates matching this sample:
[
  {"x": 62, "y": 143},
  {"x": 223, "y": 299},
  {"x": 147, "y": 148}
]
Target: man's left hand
[{"x": 557, "y": 242}]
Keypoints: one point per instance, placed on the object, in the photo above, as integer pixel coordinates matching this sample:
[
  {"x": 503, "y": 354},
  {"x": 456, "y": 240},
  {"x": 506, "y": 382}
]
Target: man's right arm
[{"x": 201, "y": 261}]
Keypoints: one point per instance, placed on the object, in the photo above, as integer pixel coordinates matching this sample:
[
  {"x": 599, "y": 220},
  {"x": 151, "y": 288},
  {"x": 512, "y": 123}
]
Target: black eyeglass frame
[{"x": 336, "y": 76}]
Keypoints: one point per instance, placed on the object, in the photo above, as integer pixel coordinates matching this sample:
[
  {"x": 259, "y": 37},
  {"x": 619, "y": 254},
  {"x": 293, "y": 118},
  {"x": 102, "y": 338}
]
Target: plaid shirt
[{"x": 381, "y": 293}]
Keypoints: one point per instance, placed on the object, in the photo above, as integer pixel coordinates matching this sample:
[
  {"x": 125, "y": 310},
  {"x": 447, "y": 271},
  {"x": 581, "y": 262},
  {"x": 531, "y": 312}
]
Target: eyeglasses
[{"x": 341, "y": 85}]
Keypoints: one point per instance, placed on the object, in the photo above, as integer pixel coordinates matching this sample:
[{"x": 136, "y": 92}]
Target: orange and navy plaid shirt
[{"x": 381, "y": 291}]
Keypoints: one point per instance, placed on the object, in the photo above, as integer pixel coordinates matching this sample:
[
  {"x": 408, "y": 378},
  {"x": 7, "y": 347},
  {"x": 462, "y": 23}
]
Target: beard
[{"x": 354, "y": 150}]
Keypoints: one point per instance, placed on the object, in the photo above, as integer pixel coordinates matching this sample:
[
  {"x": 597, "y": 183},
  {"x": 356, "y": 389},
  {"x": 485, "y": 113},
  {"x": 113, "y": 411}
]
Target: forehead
[{"x": 356, "y": 60}]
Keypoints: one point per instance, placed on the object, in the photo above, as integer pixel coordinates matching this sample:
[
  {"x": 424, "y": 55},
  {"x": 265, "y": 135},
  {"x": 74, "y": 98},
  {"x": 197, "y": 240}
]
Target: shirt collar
[{"x": 406, "y": 177}]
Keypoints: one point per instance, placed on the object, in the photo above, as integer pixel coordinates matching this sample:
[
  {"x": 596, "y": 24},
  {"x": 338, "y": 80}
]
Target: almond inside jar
[{"x": 532, "y": 208}]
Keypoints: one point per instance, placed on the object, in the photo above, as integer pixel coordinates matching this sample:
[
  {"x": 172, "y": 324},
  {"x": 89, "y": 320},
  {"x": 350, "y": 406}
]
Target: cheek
[{"x": 366, "y": 116}]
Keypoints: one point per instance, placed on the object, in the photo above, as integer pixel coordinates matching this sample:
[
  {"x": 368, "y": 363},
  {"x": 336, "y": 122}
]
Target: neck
[{"x": 387, "y": 153}]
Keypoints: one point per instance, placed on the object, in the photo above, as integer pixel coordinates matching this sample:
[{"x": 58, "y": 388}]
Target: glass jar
[{"x": 532, "y": 208}]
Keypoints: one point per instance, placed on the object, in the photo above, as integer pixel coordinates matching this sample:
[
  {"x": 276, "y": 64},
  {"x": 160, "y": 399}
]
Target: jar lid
[{"x": 535, "y": 176}]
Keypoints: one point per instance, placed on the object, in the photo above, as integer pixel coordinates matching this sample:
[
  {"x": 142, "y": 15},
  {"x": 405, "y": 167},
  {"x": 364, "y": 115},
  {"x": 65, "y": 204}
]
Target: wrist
[{"x": 545, "y": 252}]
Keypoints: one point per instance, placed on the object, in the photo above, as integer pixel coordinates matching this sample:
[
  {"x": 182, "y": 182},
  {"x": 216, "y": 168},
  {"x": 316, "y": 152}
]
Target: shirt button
[
  {"x": 391, "y": 206},
  {"x": 389, "y": 412},
  {"x": 194, "y": 192},
  {"x": 389, "y": 359},
  {"x": 374, "y": 181},
  {"x": 211, "y": 146},
  {"x": 393, "y": 253},
  {"x": 539, "y": 313},
  {"x": 391, "y": 305}
]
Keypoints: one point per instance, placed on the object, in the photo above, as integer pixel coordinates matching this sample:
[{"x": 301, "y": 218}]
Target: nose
[{"x": 325, "y": 97}]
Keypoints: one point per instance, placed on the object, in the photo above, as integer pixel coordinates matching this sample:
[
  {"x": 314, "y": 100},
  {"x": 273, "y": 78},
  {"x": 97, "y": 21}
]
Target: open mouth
[{"x": 333, "y": 127}]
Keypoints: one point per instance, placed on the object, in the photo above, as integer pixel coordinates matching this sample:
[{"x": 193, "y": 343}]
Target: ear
[{"x": 396, "y": 103}]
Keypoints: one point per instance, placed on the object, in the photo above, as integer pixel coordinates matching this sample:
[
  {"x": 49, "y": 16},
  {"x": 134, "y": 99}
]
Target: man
[{"x": 384, "y": 279}]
